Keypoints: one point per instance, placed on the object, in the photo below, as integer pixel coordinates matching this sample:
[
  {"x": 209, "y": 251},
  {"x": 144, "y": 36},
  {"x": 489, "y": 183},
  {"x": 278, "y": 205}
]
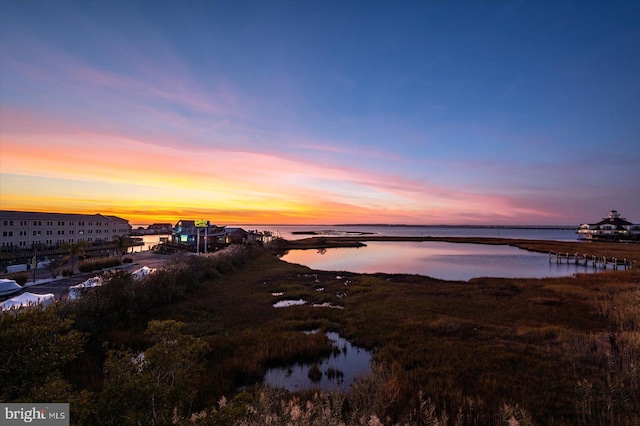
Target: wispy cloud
[{"x": 238, "y": 180}]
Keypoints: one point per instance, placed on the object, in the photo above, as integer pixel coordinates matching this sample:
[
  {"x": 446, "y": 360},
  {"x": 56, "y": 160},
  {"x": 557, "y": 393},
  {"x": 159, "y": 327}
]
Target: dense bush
[
  {"x": 154, "y": 386},
  {"x": 20, "y": 277},
  {"x": 123, "y": 301},
  {"x": 95, "y": 265},
  {"x": 34, "y": 345}
]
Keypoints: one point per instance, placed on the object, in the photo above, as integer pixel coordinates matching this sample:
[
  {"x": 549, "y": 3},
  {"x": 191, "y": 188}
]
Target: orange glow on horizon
[{"x": 47, "y": 166}]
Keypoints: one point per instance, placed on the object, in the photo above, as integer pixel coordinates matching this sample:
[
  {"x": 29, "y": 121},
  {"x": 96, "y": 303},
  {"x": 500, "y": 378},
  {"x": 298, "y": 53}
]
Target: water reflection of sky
[
  {"x": 554, "y": 234},
  {"x": 449, "y": 261},
  {"x": 351, "y": 361}
]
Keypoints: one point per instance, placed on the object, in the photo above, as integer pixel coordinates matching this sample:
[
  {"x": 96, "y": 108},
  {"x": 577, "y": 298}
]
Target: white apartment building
[{"x": 25, "y": 230}]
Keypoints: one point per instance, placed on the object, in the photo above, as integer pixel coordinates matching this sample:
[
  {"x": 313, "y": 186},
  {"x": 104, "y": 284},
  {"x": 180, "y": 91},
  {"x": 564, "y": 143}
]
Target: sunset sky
[{"x": 322, "y": 112}]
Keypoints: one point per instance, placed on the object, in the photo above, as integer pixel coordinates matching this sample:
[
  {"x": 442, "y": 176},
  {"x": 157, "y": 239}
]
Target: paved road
[{"x": 59, "y": 287}]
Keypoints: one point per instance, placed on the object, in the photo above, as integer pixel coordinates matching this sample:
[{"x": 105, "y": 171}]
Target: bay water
[{"x": 442, "y": 260}]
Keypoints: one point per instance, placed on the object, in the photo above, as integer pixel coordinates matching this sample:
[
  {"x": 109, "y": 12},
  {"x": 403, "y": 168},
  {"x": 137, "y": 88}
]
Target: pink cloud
[
  {"x": 153, "y": 80},
  {"x": 241, "y": 180}
]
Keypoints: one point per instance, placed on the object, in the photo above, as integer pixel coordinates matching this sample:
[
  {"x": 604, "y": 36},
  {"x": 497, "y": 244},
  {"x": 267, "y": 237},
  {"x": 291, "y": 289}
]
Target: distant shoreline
[
  {"x": 391, "y": 225},
  {"x": 473, "y": 226}
]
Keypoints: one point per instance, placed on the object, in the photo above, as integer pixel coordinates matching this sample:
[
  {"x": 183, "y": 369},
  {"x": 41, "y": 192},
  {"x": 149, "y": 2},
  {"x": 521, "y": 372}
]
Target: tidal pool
[
  {"x": 287, "y": 303},
  {"x": 447, "y": 261},
  {"x": 346, "y": 363}
]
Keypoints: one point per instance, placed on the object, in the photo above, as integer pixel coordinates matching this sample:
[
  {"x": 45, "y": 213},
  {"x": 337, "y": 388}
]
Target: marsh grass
[
  {"x": 560, "y": 351},
  {"x": 497, "y": 341}
]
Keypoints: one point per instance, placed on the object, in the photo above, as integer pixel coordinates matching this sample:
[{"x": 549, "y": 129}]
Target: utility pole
[{"x": 34, "y": 263}]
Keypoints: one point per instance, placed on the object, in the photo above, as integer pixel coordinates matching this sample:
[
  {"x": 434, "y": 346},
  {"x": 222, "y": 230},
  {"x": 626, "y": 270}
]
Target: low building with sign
[{"x": 198, "y": 233}]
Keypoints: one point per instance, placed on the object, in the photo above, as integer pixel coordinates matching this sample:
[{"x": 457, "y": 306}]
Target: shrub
[
  {"x": 127, "y": 260},
  {"x": 34, "y": 345},
  {"x": 21, "y": 278},
  {"x": 314, "y": 373},
  {"x": 93, "y": 265},
  {"x": 156, "y": 386},
  {"x": 104, "y": 307}
]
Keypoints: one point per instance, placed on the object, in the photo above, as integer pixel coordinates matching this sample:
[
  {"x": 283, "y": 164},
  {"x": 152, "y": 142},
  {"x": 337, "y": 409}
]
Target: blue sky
[{"x": 323, "y": 111}]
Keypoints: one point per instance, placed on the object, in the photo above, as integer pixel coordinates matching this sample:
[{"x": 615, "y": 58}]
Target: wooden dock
[{"x": 597, "y": 262}]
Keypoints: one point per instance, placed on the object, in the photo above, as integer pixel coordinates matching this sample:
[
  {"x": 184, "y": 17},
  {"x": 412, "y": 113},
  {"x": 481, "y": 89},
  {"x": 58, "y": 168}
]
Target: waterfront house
[
  {"x": 239, "y": 235},
  {"x": 235, "y": 235},
  {"x": 160, "y": 228},
  {"x": 611, "y": 228},
  {"x": 195, "y": 233}
]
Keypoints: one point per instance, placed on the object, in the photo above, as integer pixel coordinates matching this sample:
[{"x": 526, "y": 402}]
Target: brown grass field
[{"x": 564, "y": 350}]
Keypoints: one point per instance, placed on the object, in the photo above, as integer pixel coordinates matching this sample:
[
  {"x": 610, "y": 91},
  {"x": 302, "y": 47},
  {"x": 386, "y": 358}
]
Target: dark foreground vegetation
[{"x": 190, "y": 344}]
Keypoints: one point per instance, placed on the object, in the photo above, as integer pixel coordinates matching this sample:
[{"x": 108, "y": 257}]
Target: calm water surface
[
  {"x": 149, "y": 241},
  {"x": 351, "y": 361},
  {"x": 447, "y": 261}
]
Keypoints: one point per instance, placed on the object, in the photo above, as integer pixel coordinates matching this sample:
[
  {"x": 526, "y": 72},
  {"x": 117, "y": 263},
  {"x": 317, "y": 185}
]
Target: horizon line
[{"x": 523, "y": 226}]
